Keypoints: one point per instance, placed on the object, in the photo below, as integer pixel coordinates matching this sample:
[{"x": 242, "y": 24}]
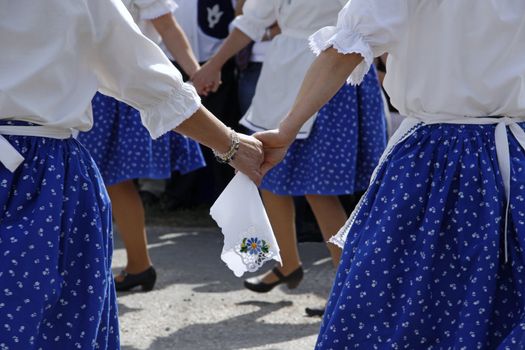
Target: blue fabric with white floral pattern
[
  {"x": 344, "y": 146},
  {"x": 56, "y": 284},
  {"x": 123, "y": 149},
  {"x": 423, "y": 266}
]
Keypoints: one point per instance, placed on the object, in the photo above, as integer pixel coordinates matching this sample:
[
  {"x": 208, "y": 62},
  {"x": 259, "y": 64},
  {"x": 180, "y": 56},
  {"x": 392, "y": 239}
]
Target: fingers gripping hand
[
  {"x": 249, "y": 158},
  {"x": 275, "y": 145},
  {"x": 207, "y": 79}
]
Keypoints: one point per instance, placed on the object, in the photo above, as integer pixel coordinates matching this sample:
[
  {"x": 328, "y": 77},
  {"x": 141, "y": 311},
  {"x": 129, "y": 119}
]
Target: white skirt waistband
[
  {"x": 10, "y": 157},
  {"x": 413, "y": 123},
  {"x": 410, "y": 124}
]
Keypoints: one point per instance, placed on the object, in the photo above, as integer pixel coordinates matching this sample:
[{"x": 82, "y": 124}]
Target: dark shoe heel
[
  {"x": 148, "y": 286},
  {"x": 295, "y": 278},
  {"x": 146, "y": 280},
  {"x": 293, "y": 284},
  {"x": 292, "y": 281}
]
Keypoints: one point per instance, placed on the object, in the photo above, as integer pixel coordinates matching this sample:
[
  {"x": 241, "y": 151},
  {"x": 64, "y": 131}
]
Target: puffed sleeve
[
  {"x": 134, "y": 70},
  {"x": 257, "y": 15},
  {"x": 151, "y": 9},
  {"x": 367, "y": 27}
]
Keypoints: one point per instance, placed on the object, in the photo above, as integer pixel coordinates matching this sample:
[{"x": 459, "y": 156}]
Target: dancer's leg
[
  {"x": 128, "y": 213},
  {"x": 281, "y": 212},
  {"x": 330, "y": 216}
]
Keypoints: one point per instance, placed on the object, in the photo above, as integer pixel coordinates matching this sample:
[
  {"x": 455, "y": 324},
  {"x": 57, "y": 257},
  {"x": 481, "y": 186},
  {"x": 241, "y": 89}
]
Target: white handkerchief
[{"x": 248, "y": 237}]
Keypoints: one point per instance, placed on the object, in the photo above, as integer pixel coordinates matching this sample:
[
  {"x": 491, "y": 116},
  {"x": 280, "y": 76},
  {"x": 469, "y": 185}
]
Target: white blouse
[
  {"x": 447, "y": 58},
  {"x": 57, "y": 53},
  {"x": 288, "y": 56},
  {"x": 143, "y": 11},
  {"x": 450, "y": 61}
]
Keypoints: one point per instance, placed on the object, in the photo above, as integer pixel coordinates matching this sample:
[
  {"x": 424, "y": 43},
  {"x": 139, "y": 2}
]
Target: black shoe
[
  {"x": 145, "y": 279},
  {"x": 313, "y": 312},
  {"x": 256, "y": 284}
]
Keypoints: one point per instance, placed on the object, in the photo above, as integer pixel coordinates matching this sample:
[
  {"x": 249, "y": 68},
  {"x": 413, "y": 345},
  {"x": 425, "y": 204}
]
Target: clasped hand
[
  {"x": 207, "y": 79},
  {"x": 259, "y": 153}
]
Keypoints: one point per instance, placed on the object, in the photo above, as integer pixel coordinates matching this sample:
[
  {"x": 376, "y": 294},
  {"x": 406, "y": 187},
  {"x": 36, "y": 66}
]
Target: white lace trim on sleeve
[
  {"x": 345, "y": 42},
  {"x": 168, "y": 114}
]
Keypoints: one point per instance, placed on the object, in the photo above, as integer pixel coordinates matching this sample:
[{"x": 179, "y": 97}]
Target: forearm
[
  {"x": 238, "y": 7},
  {"x": 204, "y": 128},
  {"x": 235, "y": 42},
  {"x": 324, "y": 78},
  {"x": 247, "y": 155},
  {"x": 176, "y": 42}
]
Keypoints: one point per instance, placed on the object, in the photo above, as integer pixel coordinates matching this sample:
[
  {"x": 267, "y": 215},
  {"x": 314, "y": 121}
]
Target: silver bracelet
[{"x": 229, "y": 155}]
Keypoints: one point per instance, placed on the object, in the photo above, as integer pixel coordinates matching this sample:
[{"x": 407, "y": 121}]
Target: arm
[
  {"x": 325, "y": 77},
  {"x": 235, "y": 42},
  {"x": 134, "y": 70},
  {"x": 250, "y": 26},
  {"x": 209, "y": 76},
  {"x": 205, "y": 128},
  {"x": 332, "y": 69},
  {"x": 176, "y": 42},
  {"x": 238, "y": 7},
  {"x": 365, "y": 29}
]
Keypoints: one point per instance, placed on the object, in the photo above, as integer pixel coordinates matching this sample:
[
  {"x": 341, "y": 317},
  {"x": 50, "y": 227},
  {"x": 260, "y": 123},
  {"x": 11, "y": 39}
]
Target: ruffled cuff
[
  {"x": 248, "y": 27},
  {"x": 181, "y": 104},
  {"x": 157, "y": 9},
  {"x": 345, "y": 42}
]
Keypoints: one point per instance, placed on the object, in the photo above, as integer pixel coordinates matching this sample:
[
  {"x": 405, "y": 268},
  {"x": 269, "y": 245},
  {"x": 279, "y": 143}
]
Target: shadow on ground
[
  {"x": 193, "y": 257},
  {"x": 239, "y": 331},
  {"x": 199, "y": 304}
]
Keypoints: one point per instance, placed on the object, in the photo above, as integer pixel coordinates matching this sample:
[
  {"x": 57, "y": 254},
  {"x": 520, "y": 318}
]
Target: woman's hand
[
  {"x": 276, "y": 143},
  {"x": 207, "y": 79},
  {"x": 249, "y": 158}
]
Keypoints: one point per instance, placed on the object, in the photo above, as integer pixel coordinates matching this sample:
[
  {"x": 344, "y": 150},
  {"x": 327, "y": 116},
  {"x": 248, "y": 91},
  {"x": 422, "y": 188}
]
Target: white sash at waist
[
  {"x": 9, "y": 156},
  {"x": 411, "y": 124}
]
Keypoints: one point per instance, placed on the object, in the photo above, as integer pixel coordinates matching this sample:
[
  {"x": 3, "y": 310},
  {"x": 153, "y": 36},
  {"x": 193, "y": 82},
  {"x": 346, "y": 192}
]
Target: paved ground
[{"x": 199, "y": 304}]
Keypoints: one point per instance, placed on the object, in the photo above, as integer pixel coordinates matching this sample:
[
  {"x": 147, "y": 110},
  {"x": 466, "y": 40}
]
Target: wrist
[
  {"x": 227, "y": 154},
  {"x": 223, "y": 142},
  {"x": 190, "y": 72},
  {"x": 215, "y": 63},
  {"x": 288, "y": 132}
]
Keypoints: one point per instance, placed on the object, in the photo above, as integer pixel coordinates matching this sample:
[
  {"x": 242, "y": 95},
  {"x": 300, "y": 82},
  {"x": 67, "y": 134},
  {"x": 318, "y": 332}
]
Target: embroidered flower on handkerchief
[
  {"x": 254, "y": 251},
  {"x": 254, "y": 246}
]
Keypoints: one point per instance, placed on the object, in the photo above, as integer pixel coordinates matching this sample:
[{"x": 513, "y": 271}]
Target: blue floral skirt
[
  {"x": 344, "y": 146},
  {"x": 423, "y": 266},
  {"x": 123, "y": 150},
  {"x": 56, "y": 285}
]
